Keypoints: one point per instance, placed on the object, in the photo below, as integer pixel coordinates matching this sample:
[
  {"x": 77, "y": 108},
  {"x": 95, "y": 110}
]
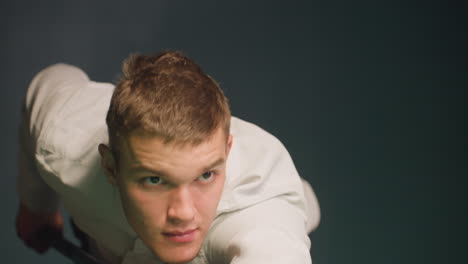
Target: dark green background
[{"x": 368, "y": 97}]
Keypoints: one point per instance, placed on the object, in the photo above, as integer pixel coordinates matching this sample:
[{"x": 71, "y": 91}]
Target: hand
[{"x": 38, "y": 230}]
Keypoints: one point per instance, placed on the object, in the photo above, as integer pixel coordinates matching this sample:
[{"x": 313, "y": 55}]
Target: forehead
[{"x": 152, "y": 152}]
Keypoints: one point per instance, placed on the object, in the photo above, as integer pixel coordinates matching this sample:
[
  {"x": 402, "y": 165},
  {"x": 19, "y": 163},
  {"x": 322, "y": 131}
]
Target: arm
[
  {"x": 38, "y": 209},
  {"x": 265, "y": 215},
  {"x": 270, "y": 232}
]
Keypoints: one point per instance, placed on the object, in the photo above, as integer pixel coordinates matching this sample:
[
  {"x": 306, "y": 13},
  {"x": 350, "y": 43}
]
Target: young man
[{"x": 173, "y": 178}]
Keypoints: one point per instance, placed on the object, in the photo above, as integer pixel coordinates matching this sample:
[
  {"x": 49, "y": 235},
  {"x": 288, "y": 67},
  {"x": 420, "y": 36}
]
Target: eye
[
  {"x": 153, "y": 180},
  {"x": 206, "y": 177}
]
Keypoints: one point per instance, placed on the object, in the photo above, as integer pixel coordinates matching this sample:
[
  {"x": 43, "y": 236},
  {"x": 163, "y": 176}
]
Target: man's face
[{"x": 170, "y": 192}]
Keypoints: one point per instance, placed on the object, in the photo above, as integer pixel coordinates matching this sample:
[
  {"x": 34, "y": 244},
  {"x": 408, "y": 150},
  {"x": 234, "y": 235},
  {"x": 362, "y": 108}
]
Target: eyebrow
[
  {"x": 141, "y": 167},
  {"x": 214, "y": 164}
]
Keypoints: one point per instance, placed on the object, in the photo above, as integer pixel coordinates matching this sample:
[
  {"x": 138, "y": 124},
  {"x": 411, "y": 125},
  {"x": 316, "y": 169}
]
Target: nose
[{"x": 181, "y": 207}]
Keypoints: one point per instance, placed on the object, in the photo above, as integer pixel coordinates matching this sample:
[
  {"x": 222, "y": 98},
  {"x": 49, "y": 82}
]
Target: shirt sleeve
[
  {"x": 40, "y": 106},
  {"x": 269, "y": 232}
]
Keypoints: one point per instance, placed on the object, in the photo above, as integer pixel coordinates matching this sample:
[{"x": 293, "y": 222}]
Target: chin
[{"x": 176, "y": 255}]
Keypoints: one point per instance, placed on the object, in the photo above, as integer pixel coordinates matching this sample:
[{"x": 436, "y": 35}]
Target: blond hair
[{"x": 167, "y": 96}]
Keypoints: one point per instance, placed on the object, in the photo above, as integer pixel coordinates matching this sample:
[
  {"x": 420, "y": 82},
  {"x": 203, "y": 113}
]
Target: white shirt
[{"x": 263, "y": 215}]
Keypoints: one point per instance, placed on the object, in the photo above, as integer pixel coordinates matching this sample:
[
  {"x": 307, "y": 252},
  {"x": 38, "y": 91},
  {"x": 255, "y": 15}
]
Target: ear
[
  {"x": 229, "y": 144},
  {"x": 108, "y": 163}
]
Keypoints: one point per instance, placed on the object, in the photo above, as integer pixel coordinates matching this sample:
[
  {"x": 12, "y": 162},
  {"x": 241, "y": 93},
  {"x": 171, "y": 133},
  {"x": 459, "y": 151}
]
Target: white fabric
[{"x": 261, "y": 217}]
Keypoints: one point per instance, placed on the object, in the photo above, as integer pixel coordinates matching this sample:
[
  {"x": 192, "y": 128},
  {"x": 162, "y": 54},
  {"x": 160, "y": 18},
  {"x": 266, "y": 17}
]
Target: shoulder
[
  {"x": 67, "y": 112},
  {"x": 254, "y": 137},
  {"x": 258, "y": 168},
  {"x": 254, "y": 147},
  {"x": 58, "y": 73},
  {"x": 48, "y": 90}
]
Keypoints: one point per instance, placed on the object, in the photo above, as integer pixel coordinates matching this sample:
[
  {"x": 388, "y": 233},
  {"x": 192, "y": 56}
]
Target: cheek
[
  {"x": 141, "y": 208},
  {"x": 208, "y": 202}
]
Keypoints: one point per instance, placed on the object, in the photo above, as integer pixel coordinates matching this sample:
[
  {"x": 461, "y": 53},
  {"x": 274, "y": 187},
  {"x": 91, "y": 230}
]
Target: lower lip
[{"x": 184, "y": 238}]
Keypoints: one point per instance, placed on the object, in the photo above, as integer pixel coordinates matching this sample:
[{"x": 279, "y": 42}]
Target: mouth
[{"x": 181, "y": 236}]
